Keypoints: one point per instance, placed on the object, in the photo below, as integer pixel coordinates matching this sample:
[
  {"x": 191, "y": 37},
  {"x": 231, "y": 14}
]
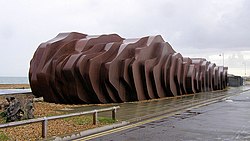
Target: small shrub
[{"x": 3, "y": 114}]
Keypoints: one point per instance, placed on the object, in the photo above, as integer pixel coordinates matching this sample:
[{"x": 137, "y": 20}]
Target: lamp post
[
  {"x": 245, "y": 65},
  {"x": 245, "y": 68},
  {"x": 222, "y": 58}
]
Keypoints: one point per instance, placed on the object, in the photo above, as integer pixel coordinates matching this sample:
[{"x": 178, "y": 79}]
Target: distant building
[{"x": 235, "y": 81}]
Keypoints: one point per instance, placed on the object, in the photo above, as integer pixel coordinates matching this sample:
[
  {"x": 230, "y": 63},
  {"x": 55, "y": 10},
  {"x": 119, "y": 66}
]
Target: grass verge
[{"x": 3, "y": 136}]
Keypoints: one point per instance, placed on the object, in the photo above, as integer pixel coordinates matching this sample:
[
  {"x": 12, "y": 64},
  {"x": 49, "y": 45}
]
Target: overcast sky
[{"x": 195, "y": 28}]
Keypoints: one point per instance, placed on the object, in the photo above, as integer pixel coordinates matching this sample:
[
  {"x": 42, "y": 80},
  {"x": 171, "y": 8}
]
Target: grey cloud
[{"x": 189, "y": 26}]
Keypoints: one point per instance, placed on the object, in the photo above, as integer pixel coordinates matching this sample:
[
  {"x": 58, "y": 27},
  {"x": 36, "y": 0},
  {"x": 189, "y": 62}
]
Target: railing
[{"x": 45, "y": 120}]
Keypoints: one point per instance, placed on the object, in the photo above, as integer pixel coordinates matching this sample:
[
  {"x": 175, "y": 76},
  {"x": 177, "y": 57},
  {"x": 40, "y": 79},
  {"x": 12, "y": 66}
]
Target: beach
[{"x": 14, "y": 86}]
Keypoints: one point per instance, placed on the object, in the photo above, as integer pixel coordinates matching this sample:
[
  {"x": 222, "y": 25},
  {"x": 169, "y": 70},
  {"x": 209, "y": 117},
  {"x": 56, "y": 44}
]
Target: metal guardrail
[{"x": 45, "y": 120}]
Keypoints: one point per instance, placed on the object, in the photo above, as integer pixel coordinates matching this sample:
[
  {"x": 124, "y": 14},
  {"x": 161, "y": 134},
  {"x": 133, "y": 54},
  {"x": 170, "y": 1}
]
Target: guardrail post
[
  {"x": 44, "y": 127},
  {"x": 95, "y": 118},
  {"x": 114, "y": 114}
]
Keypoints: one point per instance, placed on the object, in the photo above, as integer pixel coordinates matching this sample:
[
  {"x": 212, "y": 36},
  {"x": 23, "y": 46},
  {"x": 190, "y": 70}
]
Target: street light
[
  {"x": 245, "y": 64},
  {"x": 245, "y": 68},
  {"x": 222, "y": 58}
]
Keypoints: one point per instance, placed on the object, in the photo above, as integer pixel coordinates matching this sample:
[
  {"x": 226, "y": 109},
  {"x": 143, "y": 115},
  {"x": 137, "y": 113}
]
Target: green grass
[
  {"x": 105, "y": 120},
  {"x": 3, "y": 137},
  {"x": 82, "y": 120}
]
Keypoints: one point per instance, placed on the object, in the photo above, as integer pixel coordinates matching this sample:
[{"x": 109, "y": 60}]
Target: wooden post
[
  {"x": 114, "y": 114},
  {"x": 44, "y": 127},
  {"x": 95, "y": 118}
]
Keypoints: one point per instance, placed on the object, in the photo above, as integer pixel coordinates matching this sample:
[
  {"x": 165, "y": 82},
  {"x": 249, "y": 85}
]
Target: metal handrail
[{"x": 45, "y": 120}]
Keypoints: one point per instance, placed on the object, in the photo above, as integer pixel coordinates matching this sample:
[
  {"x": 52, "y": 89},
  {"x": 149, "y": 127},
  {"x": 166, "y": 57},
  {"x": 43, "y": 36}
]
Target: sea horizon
[{"x": 14, "y": 80}]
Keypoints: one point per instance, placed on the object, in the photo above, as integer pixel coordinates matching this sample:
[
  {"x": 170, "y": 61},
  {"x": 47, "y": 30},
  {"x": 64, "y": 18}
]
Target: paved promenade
[
  {"x": 227, "y": 120},
  {"x": 134, "y": 111},
  {"x": 145, "y": 120}
]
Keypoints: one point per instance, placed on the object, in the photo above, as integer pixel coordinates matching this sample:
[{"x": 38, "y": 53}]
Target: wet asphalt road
[{"x": 227, "y": 120}]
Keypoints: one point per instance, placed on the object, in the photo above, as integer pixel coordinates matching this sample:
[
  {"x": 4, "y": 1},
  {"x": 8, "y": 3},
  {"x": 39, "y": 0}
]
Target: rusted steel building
[{"x": 81, "y": 68}]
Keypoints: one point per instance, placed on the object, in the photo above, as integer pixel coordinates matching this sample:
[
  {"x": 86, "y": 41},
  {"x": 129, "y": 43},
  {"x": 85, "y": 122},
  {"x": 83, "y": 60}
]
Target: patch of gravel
[{"x": 55, "y": 127}]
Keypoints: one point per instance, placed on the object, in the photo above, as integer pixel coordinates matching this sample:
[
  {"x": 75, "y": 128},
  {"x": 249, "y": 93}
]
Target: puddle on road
[{"x": 187, "y": 114}]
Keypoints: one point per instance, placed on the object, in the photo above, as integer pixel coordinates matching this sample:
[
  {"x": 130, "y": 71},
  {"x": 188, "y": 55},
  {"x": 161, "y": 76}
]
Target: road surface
[{"x": 226, "y": 120}]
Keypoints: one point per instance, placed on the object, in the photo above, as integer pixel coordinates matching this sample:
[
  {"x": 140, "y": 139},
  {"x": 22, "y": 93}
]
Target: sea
[{"x": 14, "y": 80}]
